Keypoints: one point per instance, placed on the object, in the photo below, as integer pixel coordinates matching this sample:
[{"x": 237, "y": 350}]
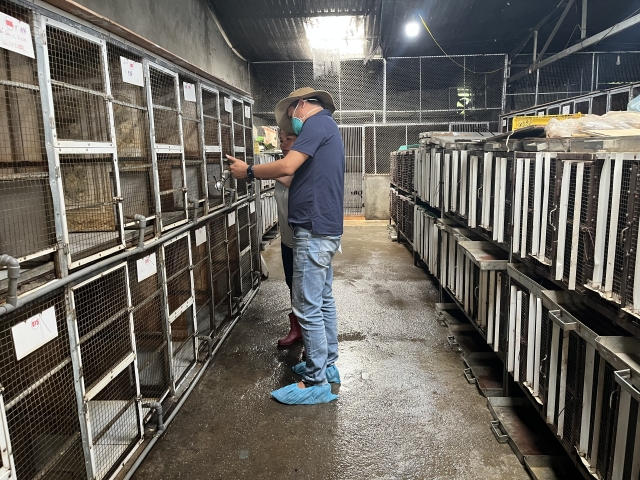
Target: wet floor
[{"x": 405, "y": 409}]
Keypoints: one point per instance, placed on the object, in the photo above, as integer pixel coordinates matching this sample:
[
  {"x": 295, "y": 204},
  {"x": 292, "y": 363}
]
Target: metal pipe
[
  {"x": 583, "y": 26},
  {"x": 209, "y": 340},
  {"x": 587, "y": 42},
  {"x": 106, "y": 263},
  {"x": 142, "y": 224},
  {"x": 157, "y": 406},
  {"x": 13, "y": 273},
  {"x": 186, "y": 394}
]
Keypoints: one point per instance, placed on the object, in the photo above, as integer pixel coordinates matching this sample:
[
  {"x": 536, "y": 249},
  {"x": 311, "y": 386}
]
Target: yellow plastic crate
[{"x": 541, "y": 121}]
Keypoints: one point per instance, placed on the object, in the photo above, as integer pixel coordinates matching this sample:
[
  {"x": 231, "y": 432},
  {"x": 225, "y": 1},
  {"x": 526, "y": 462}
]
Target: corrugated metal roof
[{"x": 274, "y": 29}]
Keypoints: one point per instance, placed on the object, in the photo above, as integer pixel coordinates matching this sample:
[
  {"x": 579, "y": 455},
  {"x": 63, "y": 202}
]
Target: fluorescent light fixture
[
  {"x": 412, "y": 29},
  {"x": 342, "y": 33}
]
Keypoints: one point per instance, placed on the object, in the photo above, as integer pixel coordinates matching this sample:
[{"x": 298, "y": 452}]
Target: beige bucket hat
[{"x": 284, "y": 122}]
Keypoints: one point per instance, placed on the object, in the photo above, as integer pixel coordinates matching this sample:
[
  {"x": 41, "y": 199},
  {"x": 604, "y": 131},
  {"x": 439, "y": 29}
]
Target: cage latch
[
  {"x": 64, "y": 247},
  {"x": 118, "y": 199}
]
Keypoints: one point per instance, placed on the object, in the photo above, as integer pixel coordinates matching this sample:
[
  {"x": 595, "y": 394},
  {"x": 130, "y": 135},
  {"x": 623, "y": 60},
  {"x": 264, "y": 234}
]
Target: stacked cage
[
  {"x": 535, "y": 205},
  {"x": 402, "y": 169},
  {"x": 111, "y": 168},
  {"x": 616, "y": 231},
  {"x": 427, "y": 171},
  {"x": 425, "y": 237},
  {"x": 484, "y": 267}
]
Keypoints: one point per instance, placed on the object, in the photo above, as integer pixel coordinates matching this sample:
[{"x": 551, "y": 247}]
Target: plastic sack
[
  {"x": 580, "y": 126},
  {"x": 634, "y": 104}
]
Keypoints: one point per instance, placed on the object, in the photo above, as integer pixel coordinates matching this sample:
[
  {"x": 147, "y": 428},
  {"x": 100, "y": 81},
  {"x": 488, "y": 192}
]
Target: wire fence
[
  {"x": 394, "y": 99},
  {"x": 575, "y": 75}
]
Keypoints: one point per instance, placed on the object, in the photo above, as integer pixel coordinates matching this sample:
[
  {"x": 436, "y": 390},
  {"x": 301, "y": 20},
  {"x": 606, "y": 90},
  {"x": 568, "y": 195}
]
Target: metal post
[
  {"x": 55, "y": 180},
  {"x": 384, "y": 90},
  {"x": 535, "y": 46},
  {"x": 583, "y": 26},
  {"x": 505, "y": 79},
  {"x": 420, "y": 87}
]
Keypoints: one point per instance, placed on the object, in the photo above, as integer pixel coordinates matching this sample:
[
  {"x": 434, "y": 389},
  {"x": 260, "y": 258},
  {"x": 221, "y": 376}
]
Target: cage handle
[
  {"x": 623, "y": 234},
  {"x": 551, "y": 218}
]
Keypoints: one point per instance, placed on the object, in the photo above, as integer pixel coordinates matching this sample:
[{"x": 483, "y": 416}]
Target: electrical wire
[{"x": 449, "y": 56}]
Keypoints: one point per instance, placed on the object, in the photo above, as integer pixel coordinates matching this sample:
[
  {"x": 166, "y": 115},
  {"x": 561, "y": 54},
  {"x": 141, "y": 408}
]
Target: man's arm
[
  {"x": 280, "y": 168},
  {"x": 286, "y": 181}
]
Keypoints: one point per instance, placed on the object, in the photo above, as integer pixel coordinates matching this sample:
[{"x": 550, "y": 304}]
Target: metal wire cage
[
  {"x": 39, "y": 395},
  {"x": 108, "y": 379},
  {"x": 131, "y": 119},
  {"x": 27, "y": 225},
  {"x": 220, "y": 270},
  {"x": 149, "y": 324},
  {"x": 178, "y": 285}
]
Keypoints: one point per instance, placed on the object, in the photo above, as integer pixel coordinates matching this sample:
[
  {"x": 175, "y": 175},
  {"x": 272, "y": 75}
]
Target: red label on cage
[
  {"x": 35, "y": 322},
  {"x": 9, "y": 22}
]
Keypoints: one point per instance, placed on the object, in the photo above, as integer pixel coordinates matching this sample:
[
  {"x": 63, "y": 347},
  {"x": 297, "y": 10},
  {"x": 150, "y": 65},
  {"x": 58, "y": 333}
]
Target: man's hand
[{"x": 238, "y": 168}]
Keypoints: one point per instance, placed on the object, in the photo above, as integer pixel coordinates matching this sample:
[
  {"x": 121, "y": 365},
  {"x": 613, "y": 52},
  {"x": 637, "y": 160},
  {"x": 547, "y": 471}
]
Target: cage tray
[
  {"x": 468, "y": 340},
  {"x": 545, "y": 467},
  {"x": 486, "y": 255},
  {"x": 487, "y": 371},
  {"x": 526, "y": 432}
]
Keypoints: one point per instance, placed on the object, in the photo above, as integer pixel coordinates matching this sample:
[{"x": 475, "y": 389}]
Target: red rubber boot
[{"x": 294, "y": 335}]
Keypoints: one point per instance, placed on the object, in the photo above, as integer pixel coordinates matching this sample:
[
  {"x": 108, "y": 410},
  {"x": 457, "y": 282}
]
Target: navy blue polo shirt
[{"x": 316, "y": 195}]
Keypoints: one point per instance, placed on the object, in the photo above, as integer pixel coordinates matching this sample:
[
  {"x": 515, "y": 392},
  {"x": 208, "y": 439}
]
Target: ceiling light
[
  {"x": 412, "y": 29},
  {"x": 342, "y": 33}
]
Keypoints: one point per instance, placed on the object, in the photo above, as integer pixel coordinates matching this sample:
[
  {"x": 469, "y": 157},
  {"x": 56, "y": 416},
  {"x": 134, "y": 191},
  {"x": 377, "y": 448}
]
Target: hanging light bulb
[
  {"x": 411, "y": 29},
  {"x": 618, "y": 60}
]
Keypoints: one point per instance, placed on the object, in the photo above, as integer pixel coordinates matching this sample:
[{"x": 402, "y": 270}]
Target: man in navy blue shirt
[{"x": 315, "y": 213}]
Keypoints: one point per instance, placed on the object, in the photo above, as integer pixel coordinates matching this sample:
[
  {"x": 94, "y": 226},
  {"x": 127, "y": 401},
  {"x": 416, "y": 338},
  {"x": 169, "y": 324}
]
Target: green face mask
[{"x": 297, "y": 123}]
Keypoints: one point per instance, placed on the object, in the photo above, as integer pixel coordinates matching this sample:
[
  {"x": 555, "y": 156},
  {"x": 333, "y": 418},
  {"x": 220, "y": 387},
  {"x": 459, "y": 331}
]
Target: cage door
[
  {"x": 167, "y": 147},
  {"x": 627, "y": 441},
  {"x": 6, "y": 459}
]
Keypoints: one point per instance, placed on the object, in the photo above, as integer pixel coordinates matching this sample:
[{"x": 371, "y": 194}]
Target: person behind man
[
  {"x": 315, "y": 214},
  {"x": 286, "y": 235}
]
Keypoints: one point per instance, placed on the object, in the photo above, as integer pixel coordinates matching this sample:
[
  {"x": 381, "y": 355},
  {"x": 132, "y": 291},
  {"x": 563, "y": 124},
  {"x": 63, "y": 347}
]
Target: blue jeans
[{"x": 313, "y": 301}]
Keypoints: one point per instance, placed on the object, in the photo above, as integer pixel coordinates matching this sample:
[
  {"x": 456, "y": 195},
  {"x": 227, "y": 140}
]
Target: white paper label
[
  {"x": 33, "y": 333},
  {"x": 566, "y": 109},
  {"x": 201, "y": 236},
  {"x": 247, "y": 111},
  {"x": 146, "y": 267},
  {"x": 231, "y": 219},
  {"x": 541, "y": 114},
  {"x": 132, "y": 72},
  {"x": 504, "y": 122},
  {"x": 189, "y": 91},
  {"x": 252, "y": 207},
  {"x": 228, "y": 106},
  {"x": 15, "y": 36}
]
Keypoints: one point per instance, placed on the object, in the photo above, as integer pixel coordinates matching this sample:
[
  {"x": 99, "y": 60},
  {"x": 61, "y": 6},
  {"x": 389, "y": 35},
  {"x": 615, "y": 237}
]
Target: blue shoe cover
[
  {"x": 333, "y": 376},
  {"x": 292, "y": 395}
]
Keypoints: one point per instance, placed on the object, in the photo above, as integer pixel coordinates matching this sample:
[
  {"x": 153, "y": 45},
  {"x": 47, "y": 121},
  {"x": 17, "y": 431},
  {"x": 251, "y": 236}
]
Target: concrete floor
[{"x": 405, "y": 410}]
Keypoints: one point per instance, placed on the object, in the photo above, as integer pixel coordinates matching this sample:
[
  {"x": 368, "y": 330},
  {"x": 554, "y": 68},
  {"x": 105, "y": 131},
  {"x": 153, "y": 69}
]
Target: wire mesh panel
[
  {"x": 39, "y": 394},
  {"x": 219, "y": 269},
  {"x": 147, "y": 302},
  {"x": 353, "y": 195},
  {"x": 227, "y": 132},
  {"x": 167, "y": 144},
  {"x": 244, "y": 239},
  {"x": 78, "y": 86},
  {"x": 234, "y": 258},
  {"x": 180, "y": 305},
  {"x": 202, "y": 279},
  {"x": 131, "y": 120},
  {"x": 256, "y": 236},
  {"x": 27, "y": 226},
  {"x": 106, "y": 368},
  {"x": 190, "y": 103},
  {"x": 92, "y": 206},
  {"x": 212, "y": 147}
]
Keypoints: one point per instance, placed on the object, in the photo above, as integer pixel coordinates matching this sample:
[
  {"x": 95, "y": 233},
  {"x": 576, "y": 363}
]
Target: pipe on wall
[{"x": 13, "y": 273}]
